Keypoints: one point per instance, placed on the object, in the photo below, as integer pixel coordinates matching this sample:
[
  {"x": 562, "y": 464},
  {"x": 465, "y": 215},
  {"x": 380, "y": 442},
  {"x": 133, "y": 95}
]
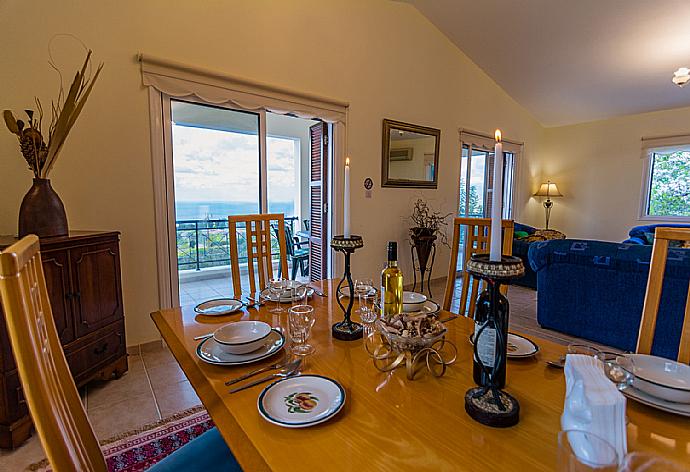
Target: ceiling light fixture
[{"x": 681, "y": 76}]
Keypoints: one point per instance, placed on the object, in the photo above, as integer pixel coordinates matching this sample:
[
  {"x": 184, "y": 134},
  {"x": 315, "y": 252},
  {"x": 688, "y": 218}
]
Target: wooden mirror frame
[{"x": 386, "y": 181}]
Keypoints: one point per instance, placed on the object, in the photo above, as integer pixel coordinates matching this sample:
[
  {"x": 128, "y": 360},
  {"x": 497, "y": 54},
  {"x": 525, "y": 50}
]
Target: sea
[{"x": 221, "y": 210}]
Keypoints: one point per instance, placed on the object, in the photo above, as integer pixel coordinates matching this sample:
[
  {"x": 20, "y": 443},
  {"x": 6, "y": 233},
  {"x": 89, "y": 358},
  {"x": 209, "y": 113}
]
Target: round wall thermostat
[{"x": 368, "y": 183}]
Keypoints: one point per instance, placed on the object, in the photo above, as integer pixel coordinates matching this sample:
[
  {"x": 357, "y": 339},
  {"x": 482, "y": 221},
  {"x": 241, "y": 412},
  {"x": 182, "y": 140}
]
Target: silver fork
[
  {"x": 278, "y": 365},
  {"x": 288, "y": 371}
]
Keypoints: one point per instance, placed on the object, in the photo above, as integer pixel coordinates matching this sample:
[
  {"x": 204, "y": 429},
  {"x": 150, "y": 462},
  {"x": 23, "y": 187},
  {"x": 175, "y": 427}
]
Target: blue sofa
[{"x": 595, "y": 290}]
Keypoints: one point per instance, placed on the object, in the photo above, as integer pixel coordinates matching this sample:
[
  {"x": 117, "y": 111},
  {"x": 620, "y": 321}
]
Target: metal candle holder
[
  {"x": 347, "y": 330},
  {"x": 489, "y": 404}
]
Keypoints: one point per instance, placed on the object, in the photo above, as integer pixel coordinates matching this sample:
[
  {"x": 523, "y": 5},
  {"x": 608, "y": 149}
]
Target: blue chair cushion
[
  {"x": 206, "y": 453},
  {"x": 301, "y": 253}
]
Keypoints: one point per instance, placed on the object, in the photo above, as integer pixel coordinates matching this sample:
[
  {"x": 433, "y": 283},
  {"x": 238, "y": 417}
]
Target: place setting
[{"x": 293, "y": 399}]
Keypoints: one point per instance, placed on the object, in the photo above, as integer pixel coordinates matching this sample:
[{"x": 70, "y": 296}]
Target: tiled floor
[
  {"x": 197, "y": 291},
  {"x": 153, "y": 388}
]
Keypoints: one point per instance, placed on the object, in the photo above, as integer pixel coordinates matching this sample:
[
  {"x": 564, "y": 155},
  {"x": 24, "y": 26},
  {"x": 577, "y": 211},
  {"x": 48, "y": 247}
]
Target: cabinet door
[
  {"x": 96, "y": 285},
  {"x": 56, "y": 269}
]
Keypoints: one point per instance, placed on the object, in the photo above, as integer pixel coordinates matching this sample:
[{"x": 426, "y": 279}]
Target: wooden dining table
[{"x": 389, "y": 422}]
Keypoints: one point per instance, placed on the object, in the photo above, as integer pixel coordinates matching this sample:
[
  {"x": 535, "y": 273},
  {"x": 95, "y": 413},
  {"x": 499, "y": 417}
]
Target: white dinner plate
[
  {"x": 266, "y": 294},
  {"x": 682, "y": 409},
  {"x": 301, "y": 401},
  {"x": 518, "y": 346},
  {"x": 212, "y": 352},
  {"x": 345, "y": 291},
  {"x": 219, "y": 306}
]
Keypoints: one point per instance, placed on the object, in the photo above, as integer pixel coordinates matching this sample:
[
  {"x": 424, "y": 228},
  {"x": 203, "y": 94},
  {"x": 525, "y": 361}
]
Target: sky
[{"x": 213, "y": 165}]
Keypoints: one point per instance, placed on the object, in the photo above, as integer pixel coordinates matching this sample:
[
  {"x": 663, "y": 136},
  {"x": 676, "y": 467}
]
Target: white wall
[
  {"x": 598, "y": 168},
  {"x": 355, "y": 50}
]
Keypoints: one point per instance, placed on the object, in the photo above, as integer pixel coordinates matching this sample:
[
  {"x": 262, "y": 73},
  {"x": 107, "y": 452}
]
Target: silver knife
[{"x": 289, "y": 373}]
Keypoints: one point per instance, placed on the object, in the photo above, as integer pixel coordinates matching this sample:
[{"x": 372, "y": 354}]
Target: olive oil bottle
[{"x": 391, "y": 284}]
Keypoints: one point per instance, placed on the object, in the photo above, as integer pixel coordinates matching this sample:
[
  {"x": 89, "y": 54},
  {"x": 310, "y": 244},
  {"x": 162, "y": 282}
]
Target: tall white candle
[
  {"x": 346, "y": 200},
  {"x": 495, "y": 249}
]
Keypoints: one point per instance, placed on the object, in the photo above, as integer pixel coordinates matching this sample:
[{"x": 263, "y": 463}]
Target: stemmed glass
[
  {"x": 277, "y": 288},
  {"x": 362, "y": 288},
  {"x": 301, "y": 318}
]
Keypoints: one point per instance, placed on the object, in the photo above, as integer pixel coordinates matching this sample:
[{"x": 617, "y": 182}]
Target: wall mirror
[{"x": 410, "y": 155}]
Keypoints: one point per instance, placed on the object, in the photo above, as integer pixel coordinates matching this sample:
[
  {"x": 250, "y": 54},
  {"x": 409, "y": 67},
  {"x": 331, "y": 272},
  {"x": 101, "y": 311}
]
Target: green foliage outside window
[{"x": 669, "y": 193}]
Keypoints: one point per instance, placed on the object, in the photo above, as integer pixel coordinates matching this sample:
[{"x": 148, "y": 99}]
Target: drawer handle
[{"x": 100, "y": 350}]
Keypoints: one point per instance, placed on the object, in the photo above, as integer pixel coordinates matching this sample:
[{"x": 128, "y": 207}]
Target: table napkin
[{"x": 593, "y": 404}]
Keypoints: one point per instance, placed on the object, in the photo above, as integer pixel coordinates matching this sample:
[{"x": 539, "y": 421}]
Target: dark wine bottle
[{"x": 491, "y": 323}]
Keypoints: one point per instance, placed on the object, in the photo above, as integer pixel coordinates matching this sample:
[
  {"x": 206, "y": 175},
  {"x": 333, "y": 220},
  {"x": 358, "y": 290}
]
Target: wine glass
[
  {"x": 362, "y": 289},
  {"x": 584, "y": 349},
  {"x": 301, "y": 318},
  {"x": 582, "y": 451},
  {"x": 277, "y": 288}
]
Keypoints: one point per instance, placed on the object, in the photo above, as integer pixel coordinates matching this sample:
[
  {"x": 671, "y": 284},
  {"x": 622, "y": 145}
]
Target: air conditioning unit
[{"x": 401, "y": 154}]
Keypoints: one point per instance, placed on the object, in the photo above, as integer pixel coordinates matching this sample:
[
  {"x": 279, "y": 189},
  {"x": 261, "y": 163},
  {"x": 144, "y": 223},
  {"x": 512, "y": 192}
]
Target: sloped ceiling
[{"x": 571, "y": 61}]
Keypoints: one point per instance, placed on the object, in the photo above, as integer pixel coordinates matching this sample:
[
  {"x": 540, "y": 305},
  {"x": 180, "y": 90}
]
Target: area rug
[{"x": 137, "y": 450}]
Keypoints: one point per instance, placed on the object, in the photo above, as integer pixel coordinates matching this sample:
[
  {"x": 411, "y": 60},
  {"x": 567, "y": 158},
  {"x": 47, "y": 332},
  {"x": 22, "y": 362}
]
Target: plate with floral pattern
[{"x": 301, "y": 401}]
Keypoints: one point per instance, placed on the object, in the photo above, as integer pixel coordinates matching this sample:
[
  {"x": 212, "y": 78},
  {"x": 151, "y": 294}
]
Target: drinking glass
[
  {"x": 649, "y": 462},
  {"x": 362, "y": 288},
  {"x": 277, "y": 288},
  {"x": 614, "y": 366},
  {"x": 585, "y": 349},
  {"x": 300, "y": 320},
  {"x": 582, "y": 451}
]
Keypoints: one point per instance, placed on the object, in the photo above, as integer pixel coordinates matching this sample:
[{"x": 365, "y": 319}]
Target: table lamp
[{"x": 548, "y": 190}]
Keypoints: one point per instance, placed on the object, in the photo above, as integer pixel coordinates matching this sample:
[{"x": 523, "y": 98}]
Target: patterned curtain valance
[
  {"x": 180, "y": 80},
  {"x": 485, "y": 142}
]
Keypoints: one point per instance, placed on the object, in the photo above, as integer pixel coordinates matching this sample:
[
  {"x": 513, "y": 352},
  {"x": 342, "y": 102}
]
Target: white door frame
[{"x": 162, "y": 162}]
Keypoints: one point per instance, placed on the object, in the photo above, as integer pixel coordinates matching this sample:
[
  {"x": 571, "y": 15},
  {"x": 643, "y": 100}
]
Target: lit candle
[
  {"x": 346, "y": 200},
  {"x": 497, "y": 201}
]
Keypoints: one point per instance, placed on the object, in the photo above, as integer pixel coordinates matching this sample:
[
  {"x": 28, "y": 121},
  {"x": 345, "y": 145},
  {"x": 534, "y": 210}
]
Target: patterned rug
[{"x": 136, "y": 451}]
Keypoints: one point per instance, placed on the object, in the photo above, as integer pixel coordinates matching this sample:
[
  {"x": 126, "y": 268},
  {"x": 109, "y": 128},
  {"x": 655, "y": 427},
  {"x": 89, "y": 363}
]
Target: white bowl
[
  {"x": 413, "y": 301},
  {"x": 242, "y": 337},
  {"x": 659, "y": 377}
]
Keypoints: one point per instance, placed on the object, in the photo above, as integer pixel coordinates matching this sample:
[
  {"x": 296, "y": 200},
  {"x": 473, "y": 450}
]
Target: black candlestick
[
  {"x": 347, "y": 330},
  {"x": 488, "y": 403}
]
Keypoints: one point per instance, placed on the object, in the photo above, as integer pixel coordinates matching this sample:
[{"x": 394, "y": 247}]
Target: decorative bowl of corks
[{"x": 411, "y": 331}]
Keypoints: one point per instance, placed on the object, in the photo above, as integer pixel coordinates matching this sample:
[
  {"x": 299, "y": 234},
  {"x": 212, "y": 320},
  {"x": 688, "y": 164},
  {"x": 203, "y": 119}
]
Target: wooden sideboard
[{"x": 85, "y": 288}]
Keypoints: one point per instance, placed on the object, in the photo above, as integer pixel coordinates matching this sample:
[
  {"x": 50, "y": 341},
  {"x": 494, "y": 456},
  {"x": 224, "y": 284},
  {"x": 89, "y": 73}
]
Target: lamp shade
[{"x": 548, "y": 189}]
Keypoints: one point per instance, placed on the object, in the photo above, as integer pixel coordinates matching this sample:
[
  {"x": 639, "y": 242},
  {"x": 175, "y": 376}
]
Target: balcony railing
[{"x": 204, "y": 243}]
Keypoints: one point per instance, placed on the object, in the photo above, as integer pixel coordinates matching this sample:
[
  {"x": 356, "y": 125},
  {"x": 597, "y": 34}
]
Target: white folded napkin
[{"x": 593, "y": 404}]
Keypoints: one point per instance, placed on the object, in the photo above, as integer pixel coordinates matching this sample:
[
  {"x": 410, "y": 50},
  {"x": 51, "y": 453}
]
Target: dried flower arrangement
[
  {"x": 64, "y": 113},
  {"x": 427, "y": 222}
]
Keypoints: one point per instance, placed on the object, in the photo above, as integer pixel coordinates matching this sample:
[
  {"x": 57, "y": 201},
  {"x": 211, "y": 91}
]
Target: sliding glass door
[{"x": 232, "y": 162}]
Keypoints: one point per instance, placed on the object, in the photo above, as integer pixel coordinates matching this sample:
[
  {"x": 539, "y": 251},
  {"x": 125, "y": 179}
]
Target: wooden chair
[
  {"x": 657, "y": 267},
  {"x": 58, "y": 414},
  {"x": 477, "y": 239},
  {"x": 258, "y": 237}
]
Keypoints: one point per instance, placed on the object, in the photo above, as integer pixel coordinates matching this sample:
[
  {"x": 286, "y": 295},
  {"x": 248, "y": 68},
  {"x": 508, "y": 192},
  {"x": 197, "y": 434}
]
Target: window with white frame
[{"x": 666, "y": 186}]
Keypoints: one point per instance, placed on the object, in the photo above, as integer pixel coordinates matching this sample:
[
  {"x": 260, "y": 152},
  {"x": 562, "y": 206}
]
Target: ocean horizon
[{"x": 215, "y": 210}]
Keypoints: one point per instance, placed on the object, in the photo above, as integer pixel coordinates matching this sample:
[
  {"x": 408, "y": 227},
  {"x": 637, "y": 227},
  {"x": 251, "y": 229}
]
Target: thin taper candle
[
  {"x": 495, "y": 249},
  {"x": 346, "y": 200}
]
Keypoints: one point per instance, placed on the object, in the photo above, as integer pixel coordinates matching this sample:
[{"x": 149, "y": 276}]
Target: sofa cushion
[{"x": 638, "y": 236}]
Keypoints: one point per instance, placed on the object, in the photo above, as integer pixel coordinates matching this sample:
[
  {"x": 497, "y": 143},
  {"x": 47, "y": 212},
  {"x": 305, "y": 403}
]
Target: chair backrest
[
  {"x": 289, "y": 239},
  {"x": 50, "y": 392},
  {"x": 258, "y": 238},
  {"x": 657, "y": 267},
  {"x": 477, "y": 240}
]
